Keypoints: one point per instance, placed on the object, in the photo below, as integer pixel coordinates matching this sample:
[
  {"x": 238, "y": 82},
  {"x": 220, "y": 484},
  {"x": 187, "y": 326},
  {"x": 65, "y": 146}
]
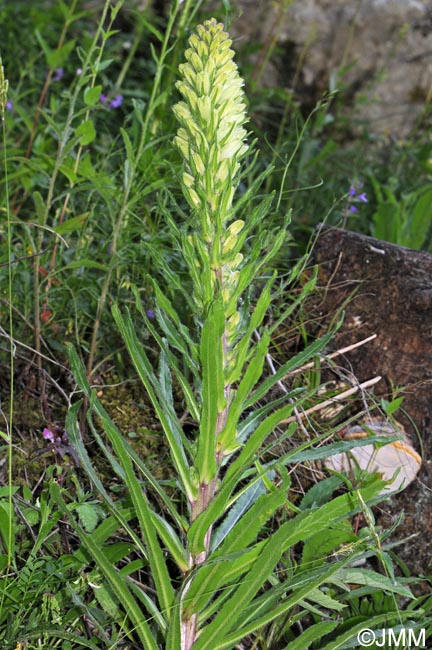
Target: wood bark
[{"x": 385, "y": 289}]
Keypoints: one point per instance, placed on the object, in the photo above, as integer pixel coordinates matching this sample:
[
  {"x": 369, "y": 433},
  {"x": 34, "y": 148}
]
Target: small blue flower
[
  {"x": 103, "y": 98},
  {"x": 150, "y": 313},
  {"x": 117, "y": 101},
  {"x": 58, "y": 74},
  {"x": 9, "y": 105},
  {"x": 362, "y": 197},
  {"x": 353, "y": 209}
]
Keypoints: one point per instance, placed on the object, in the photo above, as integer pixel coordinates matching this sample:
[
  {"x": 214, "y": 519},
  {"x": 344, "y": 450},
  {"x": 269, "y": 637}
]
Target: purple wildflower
[
  {"x": 9, "y": 105},
  {"x": 353, "y": 209},
  {"x": 103, "y": 98},
  {"x": 352, "y": 191},
  {"x": 150, "y": 313},
  {"x": 58, "y": 74},
  {"x": 78, "y": 72},
  {"x": 362, "y": 197},
  {"x": 117, "y": 101},
  {"x": 48, "y": 434}
]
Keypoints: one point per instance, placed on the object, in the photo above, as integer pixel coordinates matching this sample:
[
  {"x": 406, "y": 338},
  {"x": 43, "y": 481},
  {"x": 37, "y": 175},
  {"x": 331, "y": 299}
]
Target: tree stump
[{"x": 386, "y": 290}]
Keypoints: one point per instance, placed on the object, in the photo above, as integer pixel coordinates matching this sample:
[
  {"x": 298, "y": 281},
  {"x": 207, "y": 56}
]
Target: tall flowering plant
[{"x": 211, "y": 555}]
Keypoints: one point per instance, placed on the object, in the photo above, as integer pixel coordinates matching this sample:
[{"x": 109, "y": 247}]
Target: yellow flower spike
[
  {"x": 211, "y": 117},
  {"x": 4, "y": 85}
]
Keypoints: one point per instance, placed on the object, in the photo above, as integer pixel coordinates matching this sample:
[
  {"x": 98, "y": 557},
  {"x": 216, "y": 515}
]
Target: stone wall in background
[{"x": 378, "y": 51}]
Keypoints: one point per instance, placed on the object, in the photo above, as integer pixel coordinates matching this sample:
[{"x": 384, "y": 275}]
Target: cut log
[{"x": 385, "y": 289}]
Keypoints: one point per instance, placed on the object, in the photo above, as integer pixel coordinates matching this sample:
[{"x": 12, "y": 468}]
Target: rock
[{"x": 378, "y": 52}]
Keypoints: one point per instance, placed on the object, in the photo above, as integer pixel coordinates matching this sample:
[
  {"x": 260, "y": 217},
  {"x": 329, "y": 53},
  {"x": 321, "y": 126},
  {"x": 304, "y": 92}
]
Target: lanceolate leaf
[
  {"x": 245, "y": 531},
  {"x": 349, "y": 638},
  {"x": 276, "y": 601},
  {"x": 288, "y": 534},
  {"x": 188, "y": 356},
  {"x": 117, "y": 582},
  {"x": 236, "y": 470},
  {"x": 213, "y": 398},
  {"x": 183, "y": 333},
  {"x": 250, "y": 497},
  {"x": 314, "y": 633},
  {"x": 230, "y": 614},
  {"x": 242, "y": 348},
  {"x": 307, "y": 452},
  {"x": 295, "y": 362},
  {"x": 227, "y": 437},
  {"x": 143, "y": 511},
  {"x": 76, "y": 440},
  {"x": 168, "y": 419},
  {"x": 172, "y": 542},
  {"x": 372, "y": 579}
]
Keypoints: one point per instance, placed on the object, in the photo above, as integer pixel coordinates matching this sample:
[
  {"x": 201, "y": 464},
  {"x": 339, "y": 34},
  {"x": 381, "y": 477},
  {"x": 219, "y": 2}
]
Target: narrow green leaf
[
  {"x": 172, "y": 542},
  {"x": 230, "y": 614},
  {"x": 189, "y": 354},
  {"x": 167, "y": 418},
  {"x": 7, "y": 526},
  {"x": 275, "y": 601},
  {"x": 314, "y": 633},
  {"x": 183, "y": 342},
  {"x": 67, "y": 170},
  {"x": 130, "y": 151},
  {"x": 306, "y": 452},
  {"x": 76, "y": 440},
  {"x": 419, "y": 224},
  {"x": 117, "y": 582},
  {"x": 227, "y": 437},
  {"x": 152, "y": 29},
  {"x": 235, "y": 472},
  {"x": 295, "y": 362},
  {"x": 167, "y": 501},
  {"x": 44, "y": 45},
  {"x": 372, "y": 579},
  {"x": 213, "y": 398},
  {"x": 372, "y": 623},
  {"x": 56, "y": 633},
  {"x": 85, "y": 264},
  {"x": 324, "y": 600},
  {"x": 143, "y": 511},
  {"x": 320, "y": 493},
  {"x": 243, "y": 346},
  {"x": 103, "y": 65},
  {"x": 239, "y": 532},
  {"x": 173, "y": 636},
  {"x": 252, "y": 494}
]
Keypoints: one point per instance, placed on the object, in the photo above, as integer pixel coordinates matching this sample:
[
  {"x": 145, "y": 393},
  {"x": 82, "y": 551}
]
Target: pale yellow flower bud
[{"x": 211, "y": 116}]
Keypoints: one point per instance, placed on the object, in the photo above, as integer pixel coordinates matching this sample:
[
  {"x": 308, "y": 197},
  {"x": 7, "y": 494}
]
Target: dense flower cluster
[
  {"x": 211, "y": 140},
  {"x": 211, "y": 115}
]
